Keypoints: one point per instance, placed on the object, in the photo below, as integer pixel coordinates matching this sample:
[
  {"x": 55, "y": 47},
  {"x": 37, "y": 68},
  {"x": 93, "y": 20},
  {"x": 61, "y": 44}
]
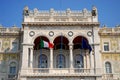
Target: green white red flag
[{"x": 45, "y": 44}]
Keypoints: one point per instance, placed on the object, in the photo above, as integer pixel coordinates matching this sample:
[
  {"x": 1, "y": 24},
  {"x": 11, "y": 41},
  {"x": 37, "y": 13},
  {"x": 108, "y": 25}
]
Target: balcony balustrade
[{"x": 58, "y": 72}]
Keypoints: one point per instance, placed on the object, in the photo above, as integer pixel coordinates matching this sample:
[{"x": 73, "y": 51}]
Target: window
[
  {"x": 14, "y": 46},
  {"x": 42, "y": 61},
  {"x": 12, "y": 68},
  {"x": 60, "y": 61},
  {"x": 79, "y": 61},
  {"x": 106, "y": 46},
  {"x": 108, "y": 67}
]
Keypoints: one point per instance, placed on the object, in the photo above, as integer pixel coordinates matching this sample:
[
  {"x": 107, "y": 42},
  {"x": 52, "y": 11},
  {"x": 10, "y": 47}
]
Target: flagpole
[
  {"x": 81, "y": 49},
  {"x": 40, "y": 53},
  {"x": 61, "y": 42}
]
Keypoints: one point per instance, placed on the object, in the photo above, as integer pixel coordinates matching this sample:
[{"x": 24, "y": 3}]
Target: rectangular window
[
  {"x": 14, "y": 46},
  {"x": 106, "y": 46}
]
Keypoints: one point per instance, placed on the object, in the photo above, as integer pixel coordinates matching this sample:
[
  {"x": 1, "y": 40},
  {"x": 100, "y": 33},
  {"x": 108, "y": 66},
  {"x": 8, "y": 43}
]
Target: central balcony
[{"x": 58, "y": 72}]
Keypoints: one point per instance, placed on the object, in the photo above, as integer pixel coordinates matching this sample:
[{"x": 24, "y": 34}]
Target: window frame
[
  {"x": 44, "y": 62},
  {"x": 81, "y": 59},
  {"x": 13, "y": 68},
  {"x": 106, "y": 46},
  {"x": 63, "y": 61},
  {"x": 108, "y": 67},
  {"x": 14, "y": 48}
]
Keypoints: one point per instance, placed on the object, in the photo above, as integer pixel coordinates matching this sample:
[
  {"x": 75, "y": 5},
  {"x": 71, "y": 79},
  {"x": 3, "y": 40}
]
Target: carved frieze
[{"x": 59, "y": 28}]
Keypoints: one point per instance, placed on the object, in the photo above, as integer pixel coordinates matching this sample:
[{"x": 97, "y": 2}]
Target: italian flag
[{"x": 44, "y": 44}]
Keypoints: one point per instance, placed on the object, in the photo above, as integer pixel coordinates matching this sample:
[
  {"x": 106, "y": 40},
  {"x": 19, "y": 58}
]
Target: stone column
[
  {"x": 85, "y": 61},
  {"x": 24, "y": 59},
  {"x": 92, "y": 61},
  {"x": 71, "y": 55},
  {"x": 88, "y": 60},
  {"x": 51, "y": 58},
  {"x": 71, "y": 58},
  {"x": 31, "y": 57}
]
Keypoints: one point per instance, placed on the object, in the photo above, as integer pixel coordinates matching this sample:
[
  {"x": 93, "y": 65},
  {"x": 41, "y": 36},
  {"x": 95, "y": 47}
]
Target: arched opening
[
  {"x": 60, "y": 61},
  {"x": 60, "y": 47},
  {"x": 12, "y": 68},
  {"x": 42, "y": 61},
  {"x": 80, "y": 49},
  {"x": 108, "y": 67},
  {"x": 61, "y": 42},
  {"x": 79, "y": 61},
  {"x": 37, "y": 42}
]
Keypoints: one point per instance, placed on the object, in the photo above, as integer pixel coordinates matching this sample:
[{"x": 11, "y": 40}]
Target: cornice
[
  {"x": 109, "y": 34},
  {"x": 60, "y": 24},
  {"x": 9, "y": 34}
]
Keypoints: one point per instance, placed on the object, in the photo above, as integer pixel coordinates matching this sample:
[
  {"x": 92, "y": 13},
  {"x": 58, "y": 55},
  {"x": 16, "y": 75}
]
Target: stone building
[{"x": 82, "y": 50}]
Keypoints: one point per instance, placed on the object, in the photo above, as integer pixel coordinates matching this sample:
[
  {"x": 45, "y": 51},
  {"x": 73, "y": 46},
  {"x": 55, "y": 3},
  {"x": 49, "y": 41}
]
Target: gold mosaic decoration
[{"x": 6, "y": 44}]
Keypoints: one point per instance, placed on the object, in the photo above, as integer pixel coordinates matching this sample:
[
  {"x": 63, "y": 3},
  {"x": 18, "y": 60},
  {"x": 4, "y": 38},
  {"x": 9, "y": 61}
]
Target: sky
[{"x": 11, "y": 10}]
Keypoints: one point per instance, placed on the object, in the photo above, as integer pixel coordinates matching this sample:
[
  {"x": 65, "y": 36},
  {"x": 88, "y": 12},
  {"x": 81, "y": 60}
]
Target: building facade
[{"x": 82, "y": 50}]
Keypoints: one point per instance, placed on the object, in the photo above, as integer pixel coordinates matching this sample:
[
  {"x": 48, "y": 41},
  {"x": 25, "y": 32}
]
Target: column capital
[
  {"x": 70, "y": 44},
  {"x": 31, "y": 48}
]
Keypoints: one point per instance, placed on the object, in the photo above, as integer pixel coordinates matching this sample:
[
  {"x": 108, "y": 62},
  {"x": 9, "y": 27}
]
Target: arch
[
  {"x": 79, "y": 62},
  {"x": 61, "y": 42},
  {"x": 37, "y": 41},
  {"x": 60, "y": 60},
  {"x": 80, "y": 42},
  {"x": 59, "y": 34},
  {"x": 108, "y": 67},
  {"x": 38, "y": 35},
  {"x": 42, "y": 61},
  {"x": 81, "y": 34}
]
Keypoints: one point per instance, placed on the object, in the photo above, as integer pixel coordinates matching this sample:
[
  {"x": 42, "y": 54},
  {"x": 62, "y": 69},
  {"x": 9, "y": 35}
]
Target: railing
[
  {"x": 12, "y": 76},
  {"x": 111, "y": 77},
  {"x": 9, "y": 30},
  {"x": 57, "y": 72}
]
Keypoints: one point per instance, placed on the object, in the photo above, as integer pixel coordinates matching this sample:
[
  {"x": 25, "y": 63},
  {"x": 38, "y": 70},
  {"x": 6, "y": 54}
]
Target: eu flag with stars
[{"x": 85, "y": 45}]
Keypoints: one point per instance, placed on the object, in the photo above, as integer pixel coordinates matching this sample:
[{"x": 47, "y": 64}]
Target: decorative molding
[
  {"x": 31, "y": 33},
  {"x": 51, "y": 33},
  {"x": 70, "y": 33},
  {"x": 61, "y": 24}
]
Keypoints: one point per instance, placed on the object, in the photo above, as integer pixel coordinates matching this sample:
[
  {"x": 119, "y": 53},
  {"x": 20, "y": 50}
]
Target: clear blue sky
[{"x": 11, "y": 10}]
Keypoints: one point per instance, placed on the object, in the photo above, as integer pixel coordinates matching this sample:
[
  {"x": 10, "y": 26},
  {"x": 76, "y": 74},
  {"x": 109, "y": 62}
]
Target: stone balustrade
[{"x": 9, "y": 30}]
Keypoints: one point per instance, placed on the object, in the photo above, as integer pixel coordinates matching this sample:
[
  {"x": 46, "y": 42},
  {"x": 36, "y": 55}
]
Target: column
[
  {"x": 88, "y": 60},
  {"x": 92, "y": 62},
  {"x": 24, "y": 60},
  {"x": 31, "y": 57},
  {"x": 85, "y": 61},
  {"x": 71, "y": 55},
  {"x": 51, "y": 57}
]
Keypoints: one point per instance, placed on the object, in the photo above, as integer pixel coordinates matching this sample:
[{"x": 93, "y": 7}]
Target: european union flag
[{"x": 85, "y": 45}]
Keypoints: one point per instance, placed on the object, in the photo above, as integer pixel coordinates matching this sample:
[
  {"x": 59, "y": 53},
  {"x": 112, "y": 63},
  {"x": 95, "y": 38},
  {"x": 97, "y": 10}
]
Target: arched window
[
  {"x": 60, "y": 61},
  {"x": 42, "y": 61},
  {"x": 79, "y": 61},
  {"x": 108, "y": 67},
  {"x": 12, "y": 68}
]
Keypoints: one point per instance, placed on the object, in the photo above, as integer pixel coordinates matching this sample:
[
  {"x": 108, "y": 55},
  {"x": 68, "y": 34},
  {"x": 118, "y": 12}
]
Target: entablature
[{"x": 60, "y": 24}]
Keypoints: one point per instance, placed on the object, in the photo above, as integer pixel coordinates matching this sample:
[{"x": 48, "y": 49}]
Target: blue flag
[{"x": 85, "y": 45}]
